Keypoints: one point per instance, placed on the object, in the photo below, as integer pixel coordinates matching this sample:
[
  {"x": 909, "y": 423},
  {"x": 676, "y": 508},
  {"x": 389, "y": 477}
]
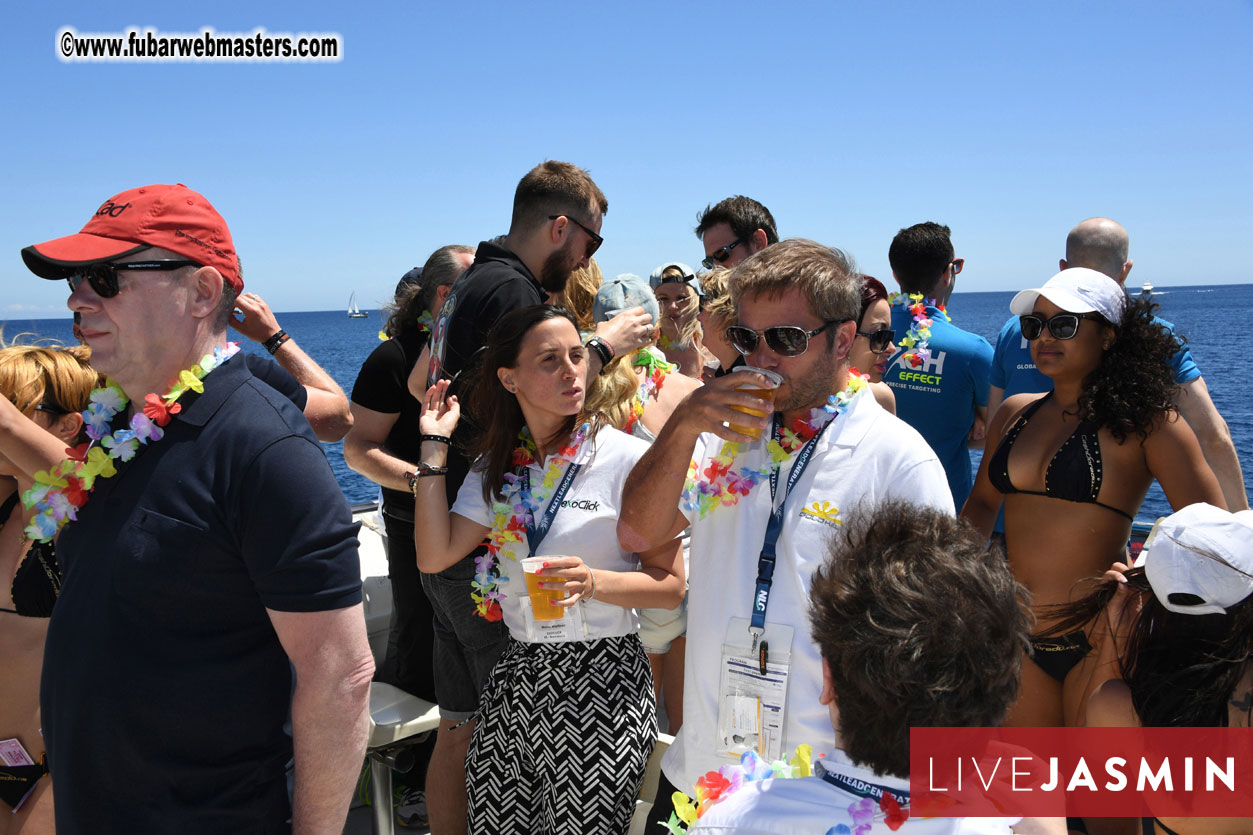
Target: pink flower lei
[
  {"x": 917, "y": 352},
  {"x": 513, "y": 513},
  {"x": 58, "y": 493},
  {"x": 722, "y": 484}
]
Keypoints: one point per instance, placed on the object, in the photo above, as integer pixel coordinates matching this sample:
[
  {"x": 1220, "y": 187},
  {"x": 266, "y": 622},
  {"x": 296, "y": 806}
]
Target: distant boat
[
  {"x": 1146, "y": 289},
  {"x": 355, "y": 312}
]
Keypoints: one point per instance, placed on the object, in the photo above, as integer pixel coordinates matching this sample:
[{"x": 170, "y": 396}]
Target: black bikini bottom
[{"x": 1057, "y": 656}]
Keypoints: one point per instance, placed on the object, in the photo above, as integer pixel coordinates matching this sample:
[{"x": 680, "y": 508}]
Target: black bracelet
[
  {"x": 602, "y": 349},
  {"x": 424, "y": 470},
  {"x": 272, "y": 344},
  {"x": 439, "y": 439}
]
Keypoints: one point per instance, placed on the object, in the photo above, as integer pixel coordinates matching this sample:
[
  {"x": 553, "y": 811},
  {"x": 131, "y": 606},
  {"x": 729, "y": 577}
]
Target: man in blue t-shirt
[
  {"x": 940, "y": 378},
  {"x": 1102, "y": 244}
]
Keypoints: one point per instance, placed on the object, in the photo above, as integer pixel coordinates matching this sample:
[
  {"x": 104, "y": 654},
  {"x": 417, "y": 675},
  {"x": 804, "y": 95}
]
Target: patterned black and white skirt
[{"x": 563, "y": 737}]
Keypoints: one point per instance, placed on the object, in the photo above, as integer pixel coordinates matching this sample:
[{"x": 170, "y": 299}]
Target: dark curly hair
[
  {"x": 920, "y": 625},
  {"x": 1133, "y": 388},
  {"x": 1181, "y": 669}
]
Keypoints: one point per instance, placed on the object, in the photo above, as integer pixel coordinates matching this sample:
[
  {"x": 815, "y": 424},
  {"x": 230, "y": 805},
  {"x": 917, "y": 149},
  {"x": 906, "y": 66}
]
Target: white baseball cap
[
  {"x": 1077, "y": 290},
  {"x": 1204, "y": 552}
]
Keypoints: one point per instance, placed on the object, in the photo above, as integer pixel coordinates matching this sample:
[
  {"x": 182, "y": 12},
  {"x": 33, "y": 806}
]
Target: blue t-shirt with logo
[
  {"x": 1015, "y": 373},
  {"x": 938, "y": 398}
]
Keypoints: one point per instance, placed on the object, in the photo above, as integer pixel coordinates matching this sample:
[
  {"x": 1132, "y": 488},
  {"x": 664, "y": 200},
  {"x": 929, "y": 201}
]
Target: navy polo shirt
[{"x": 165, "y": 688}]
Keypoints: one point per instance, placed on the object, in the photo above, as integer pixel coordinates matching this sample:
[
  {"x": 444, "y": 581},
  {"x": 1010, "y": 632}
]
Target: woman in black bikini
[
  {"x": 42, "y": 391},
  {"x": 1073, "y": 466}
]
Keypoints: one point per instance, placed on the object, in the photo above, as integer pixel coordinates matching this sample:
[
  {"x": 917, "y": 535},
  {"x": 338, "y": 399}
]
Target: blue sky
[{"x": 1008, "y": 122}]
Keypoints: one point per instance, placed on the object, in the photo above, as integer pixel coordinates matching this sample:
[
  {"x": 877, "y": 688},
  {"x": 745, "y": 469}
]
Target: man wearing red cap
[{"x": 211, "y": 589}]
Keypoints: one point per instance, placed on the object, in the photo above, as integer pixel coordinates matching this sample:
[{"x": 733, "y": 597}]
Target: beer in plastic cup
[
  {"x": 756, "y": 390},
  {"x": 542, "y": 599}
]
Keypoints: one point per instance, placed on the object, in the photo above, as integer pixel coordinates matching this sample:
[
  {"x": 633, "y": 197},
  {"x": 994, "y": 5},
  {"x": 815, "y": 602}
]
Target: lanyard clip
[{"x": 756, "y": 632}]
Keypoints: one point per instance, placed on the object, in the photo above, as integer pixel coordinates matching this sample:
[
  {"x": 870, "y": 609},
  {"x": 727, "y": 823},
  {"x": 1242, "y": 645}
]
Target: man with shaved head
[{"x": 1102, "y": 244}]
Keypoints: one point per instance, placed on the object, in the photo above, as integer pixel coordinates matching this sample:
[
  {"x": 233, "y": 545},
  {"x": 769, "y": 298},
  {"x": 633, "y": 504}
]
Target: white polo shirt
[
  {"x": 811, "y": 805},
  {"x": 865, "y": 456},
  {"x": 585, "y": 526}
]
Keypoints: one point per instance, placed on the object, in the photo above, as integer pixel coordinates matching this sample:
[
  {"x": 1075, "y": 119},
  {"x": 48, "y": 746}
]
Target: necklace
[
  {"x": 722, "y": 484},
  {"x": 60, "y": 492},
  {"x": 655, "y": 370},
  {"x": 514, "y": 513},
  {"x": 915, "y": 341},
  {"x": 715, "y": 786}
]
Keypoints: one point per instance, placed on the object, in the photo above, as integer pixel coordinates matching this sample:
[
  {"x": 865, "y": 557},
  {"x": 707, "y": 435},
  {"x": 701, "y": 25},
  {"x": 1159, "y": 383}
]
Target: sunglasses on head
[
  {"x": 1062, "y": 326},
  {"x": 103, "y": 276},
  {"x": 880, "y": 340},
  {"x": 721, "y": 254},
  {"x": 784, "y": 340},
  {"x": 594, "y": 240}
]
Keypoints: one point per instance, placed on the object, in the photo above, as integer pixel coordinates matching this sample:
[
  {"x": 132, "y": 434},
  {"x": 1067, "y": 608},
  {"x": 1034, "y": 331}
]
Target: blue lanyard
[
  {"x": 861, "y": 788},
  {"x": 765, "y": 563},
  {"x": 536, "y": 531}
]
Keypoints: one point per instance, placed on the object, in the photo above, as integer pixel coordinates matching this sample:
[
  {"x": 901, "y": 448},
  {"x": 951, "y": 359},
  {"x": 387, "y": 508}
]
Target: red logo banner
[{"x": 1097, "y": 772}]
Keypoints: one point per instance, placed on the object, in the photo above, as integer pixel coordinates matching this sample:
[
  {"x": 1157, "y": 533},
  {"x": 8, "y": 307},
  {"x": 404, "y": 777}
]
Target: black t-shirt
[
  {"x": 165, "y": 688},
  {"x": 496, "y": 283},
  {"x": 383, "y": 386}
]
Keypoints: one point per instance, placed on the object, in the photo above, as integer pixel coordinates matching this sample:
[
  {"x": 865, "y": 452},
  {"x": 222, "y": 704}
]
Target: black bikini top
[
  {"x": 1074, "y": 474},
  {"x": 37, "y": 581}
]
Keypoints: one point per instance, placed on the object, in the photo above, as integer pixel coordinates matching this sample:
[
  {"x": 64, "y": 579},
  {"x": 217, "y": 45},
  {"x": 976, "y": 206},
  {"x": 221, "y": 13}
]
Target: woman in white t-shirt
[{"x": 567, "y": 719}]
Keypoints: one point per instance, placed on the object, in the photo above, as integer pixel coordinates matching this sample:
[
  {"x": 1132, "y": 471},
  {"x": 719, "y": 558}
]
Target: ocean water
[{"x": 1209, "y": 317}]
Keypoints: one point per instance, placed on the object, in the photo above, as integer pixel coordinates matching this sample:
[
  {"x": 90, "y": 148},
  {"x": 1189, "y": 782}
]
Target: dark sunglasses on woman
[
  {"x": 103, "y": 276},
  {"x": 784, "y": 340},
  {"x": 880, "y": 340},
  {"x": 1062, "y": 326}
]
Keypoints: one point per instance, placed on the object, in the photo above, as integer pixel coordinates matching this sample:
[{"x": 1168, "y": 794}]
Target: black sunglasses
[
  {"x": 784, "y": 340},
  {"x": 1062, "y": 326},
  {"x": 880, "y": 340},
  {"x": 721, "y": 254},
  {"x": 596, "y": 240},
  {"x": 103, "y": 276},
  {"x": 51, "y": 410}
]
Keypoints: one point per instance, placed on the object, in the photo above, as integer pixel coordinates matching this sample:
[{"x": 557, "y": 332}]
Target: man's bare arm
[
  {"x": 329, "y": 712},
  {"x": 650, "y": 499},
  {"x": 1198, "y": 409},
  {"x": 364, "y": 449}
]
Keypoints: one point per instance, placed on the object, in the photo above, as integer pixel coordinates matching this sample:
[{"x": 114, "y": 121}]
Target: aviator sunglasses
[
  {"x": 721, "y": 254},
  {"x": 103, "y": 276},
  {"x": 880, "y": 340},
  {"x": 784, "y": 340},
  {"x": 1062, "y": 326},
  {"x": 595, "y": 240}
]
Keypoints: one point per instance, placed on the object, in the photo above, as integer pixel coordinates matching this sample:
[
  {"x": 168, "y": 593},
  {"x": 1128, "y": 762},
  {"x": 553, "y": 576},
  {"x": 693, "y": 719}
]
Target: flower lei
[
  {"x": 724, "y": 485},
  {"x": 425, "y": 321},
  {"x": 655, "y": 370},
  {"x": 60, "y": 492},
  {"x": 513, "y": 513},
  {"x": 717, "y": 786},
  {"x": 920, "y": 330}
]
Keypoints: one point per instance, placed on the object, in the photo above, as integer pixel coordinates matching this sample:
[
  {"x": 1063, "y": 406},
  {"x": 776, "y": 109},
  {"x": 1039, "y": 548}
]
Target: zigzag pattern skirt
[{"x": 563, "y": 737}]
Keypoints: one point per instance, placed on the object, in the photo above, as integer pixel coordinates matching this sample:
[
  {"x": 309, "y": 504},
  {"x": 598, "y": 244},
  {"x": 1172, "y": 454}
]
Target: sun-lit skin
[
  {"x": 548, "y": 379},
  {"x": 1069, "y": 359},
  {"x": 720, "y": 235},
  {"x": 678, "y": 306}
]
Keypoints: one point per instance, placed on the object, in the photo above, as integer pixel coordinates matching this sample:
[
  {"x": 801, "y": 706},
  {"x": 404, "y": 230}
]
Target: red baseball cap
[{"x": 171, "y": 217}]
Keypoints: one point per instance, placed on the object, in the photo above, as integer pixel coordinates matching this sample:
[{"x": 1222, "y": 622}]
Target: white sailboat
[{"x": 355, "y": 312}]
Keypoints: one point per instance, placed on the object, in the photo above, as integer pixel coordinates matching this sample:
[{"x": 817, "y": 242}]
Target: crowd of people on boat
[{"x": 738, "y": 498}]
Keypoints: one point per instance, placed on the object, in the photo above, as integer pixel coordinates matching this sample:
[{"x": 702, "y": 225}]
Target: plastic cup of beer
[
  {"x": 542, "y": 599},
  {"x": 754, "y": 388}
]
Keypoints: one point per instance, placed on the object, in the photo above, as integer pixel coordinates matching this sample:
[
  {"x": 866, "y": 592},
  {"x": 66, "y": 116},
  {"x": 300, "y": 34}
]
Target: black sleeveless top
[{"x": 37, "y": 581}]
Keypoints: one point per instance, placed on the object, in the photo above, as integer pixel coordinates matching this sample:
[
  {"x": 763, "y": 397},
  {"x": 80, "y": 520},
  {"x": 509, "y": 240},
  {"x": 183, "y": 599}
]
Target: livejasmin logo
[{"x": 1097, "y": 772}]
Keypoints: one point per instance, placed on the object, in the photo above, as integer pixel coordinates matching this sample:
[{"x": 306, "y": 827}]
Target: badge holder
[
  {"x": 569, "y": 627},
  {"x": 752, "y": 690}
]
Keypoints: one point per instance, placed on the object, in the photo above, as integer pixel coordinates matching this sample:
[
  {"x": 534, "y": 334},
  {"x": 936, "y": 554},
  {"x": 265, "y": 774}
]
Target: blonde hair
[
  {"x": 580, "y": 295},
  {"x": 51, "y": 375},
  {"x": 718, "y": 304},
  {"x": 612, "y": 393},
  {"x": 826, "y": 277},
  {"x": 689, "y": 326}
]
